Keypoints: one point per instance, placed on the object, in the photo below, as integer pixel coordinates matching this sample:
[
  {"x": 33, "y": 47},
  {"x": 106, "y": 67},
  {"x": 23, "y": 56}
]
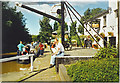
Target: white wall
[{"x": 111, "y": 21}]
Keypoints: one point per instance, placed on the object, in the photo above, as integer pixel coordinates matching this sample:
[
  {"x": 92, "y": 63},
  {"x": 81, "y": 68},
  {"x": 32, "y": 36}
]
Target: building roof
[{"x": 98, "y": 15}]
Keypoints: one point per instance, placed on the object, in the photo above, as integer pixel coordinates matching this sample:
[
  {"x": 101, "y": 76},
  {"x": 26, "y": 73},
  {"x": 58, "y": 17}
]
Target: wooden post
[
  {"x": 31, "y": 63},
  {"x": 62, "y": 22}
]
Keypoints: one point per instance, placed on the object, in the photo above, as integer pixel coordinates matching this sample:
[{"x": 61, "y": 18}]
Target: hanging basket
[
  {"x": 102, "y": 34},
  {"x": 97, "y": 38},
  {"x": 111, "y": 34},
  {"x": 95, "y": 46}
]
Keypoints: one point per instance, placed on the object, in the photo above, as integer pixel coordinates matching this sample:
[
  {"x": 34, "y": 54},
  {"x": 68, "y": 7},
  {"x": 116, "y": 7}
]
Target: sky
[{"x": 32, "y": 19}]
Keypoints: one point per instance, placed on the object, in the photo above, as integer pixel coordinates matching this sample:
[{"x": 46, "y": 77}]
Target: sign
[{"x": 95, "y": 25}]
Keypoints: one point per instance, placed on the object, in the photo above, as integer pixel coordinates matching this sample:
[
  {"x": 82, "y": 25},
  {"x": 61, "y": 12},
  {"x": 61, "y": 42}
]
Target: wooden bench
[{"x": 66, "y": 58}]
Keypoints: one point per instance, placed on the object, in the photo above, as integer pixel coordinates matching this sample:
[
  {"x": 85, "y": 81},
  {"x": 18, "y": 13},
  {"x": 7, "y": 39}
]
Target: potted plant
[
  {"x": 110, "y": 34},
  {"x": 102, "y": 34},
  {"x": 97, "y": 38}
]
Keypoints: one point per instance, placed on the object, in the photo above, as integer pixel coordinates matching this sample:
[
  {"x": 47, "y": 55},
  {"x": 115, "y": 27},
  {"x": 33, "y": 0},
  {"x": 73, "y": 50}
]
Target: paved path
[
  {"x": 78, "y": 51},
  {"x": 41, "y": 70},
  {"x": 48, "y": 74}
]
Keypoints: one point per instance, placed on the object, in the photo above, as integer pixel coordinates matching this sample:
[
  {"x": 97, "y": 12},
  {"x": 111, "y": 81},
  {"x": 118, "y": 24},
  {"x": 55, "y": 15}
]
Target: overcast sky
[{"x": 32, "y": 22}]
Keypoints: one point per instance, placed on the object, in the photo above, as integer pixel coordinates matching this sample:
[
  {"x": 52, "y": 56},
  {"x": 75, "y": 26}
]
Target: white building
[{"x": 108, "y": 24}]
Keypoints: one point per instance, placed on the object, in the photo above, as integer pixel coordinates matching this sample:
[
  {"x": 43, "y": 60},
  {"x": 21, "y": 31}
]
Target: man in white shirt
[{"x": 59, "y": 52}]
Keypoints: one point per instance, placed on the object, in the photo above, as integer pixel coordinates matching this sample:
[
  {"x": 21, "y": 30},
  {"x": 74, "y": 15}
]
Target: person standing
[
  {"x": 41, "y": 49},
  {"x": 59, "y": 52},
  {"x": 20, "y": 48},
  {"x": 85, "y": 45}
]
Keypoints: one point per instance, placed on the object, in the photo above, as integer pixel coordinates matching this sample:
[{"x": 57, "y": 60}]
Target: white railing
[{"x": 17, "y": 57}]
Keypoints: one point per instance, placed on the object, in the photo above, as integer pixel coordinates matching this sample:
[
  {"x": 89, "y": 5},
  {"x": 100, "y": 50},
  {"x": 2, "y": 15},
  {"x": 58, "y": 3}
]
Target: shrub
[
  {"x": 109, "y": 52},
  {"x": 94, "y": 70}
]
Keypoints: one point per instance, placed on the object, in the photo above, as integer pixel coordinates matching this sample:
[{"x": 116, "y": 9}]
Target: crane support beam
[{"x": 38, "y": 12}]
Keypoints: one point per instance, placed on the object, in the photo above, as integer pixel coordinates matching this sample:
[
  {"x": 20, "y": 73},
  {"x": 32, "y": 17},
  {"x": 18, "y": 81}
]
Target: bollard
[{"x": 32, "y": 63}]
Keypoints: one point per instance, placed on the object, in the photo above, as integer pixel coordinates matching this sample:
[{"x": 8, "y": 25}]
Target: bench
[{"x": 66, "y": 58}]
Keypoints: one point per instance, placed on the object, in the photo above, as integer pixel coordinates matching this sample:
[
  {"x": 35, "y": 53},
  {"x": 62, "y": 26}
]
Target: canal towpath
[{"x": 42, "y": 72}]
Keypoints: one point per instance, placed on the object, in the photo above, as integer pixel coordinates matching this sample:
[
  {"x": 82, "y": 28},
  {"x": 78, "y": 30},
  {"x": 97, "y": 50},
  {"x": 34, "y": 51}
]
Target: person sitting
[
  {"x": 53, "y": 49},
  {"x": 59, "y": 52}
]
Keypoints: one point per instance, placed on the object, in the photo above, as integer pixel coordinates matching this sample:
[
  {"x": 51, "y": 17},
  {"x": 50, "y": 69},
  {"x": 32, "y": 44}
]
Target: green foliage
[
  {"x": 59, "y": 29},
  {"x": 81, "y": 29},
  {"x": 73, "y": 33},
  {"x": 34, "y": 38},
  {"x": 66, "y": 27},
  {"x": 55, "y": 26},
  {"x": 13, "y": 28},
  {"x": 94, "y": 70},
  {"x": 109, "y": 52},
  {"x": 73, "y": 28},
  {"x": 102, "y": 34},
  {"x": 45, "y": 30},
  {"x": 89, "y": 13}
]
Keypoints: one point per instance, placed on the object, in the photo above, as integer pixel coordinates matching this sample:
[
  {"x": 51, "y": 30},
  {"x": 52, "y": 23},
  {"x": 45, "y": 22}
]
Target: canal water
[{"x": 13, "y": 66}]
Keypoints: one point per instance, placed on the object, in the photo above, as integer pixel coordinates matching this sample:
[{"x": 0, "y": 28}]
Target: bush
[
  {"x": 109, "y": 52},
  {"x": 93, "y": 70}
]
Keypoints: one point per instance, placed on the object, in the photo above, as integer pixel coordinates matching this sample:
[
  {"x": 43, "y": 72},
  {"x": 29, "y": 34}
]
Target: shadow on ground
[{"x": 37, "y": 72}]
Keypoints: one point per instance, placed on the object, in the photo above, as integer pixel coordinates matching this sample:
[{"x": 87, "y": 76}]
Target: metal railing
[{"x": 17, "y": 57}]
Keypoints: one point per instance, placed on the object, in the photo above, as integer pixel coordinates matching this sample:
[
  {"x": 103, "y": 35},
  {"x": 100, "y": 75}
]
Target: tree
[
  {"x": 13, "y": 28},
  {"x": 34, "y": 37},
  {"x": 45, "y": 30},
  {"x": 73, "y": 28},
  {"x": 55, "y": 26},
  {"x": 81, "y": 29},
  {"x": 74, "y": 34},
  {"x": 89, "y": 13},
  {"x": 66, "y": 27}
]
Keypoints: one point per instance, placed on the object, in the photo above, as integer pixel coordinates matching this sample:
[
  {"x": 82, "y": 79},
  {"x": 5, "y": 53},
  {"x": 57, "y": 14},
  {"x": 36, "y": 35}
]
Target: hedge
[
  {"x": 109, "y": 52},
  {"x": 94, "y": 70}
]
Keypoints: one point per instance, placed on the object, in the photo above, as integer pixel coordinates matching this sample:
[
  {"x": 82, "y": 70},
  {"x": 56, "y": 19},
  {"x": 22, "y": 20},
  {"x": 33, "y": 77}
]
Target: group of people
[
  {"x": 56, "y": 48},
  {"x": 30, "y": 48}
]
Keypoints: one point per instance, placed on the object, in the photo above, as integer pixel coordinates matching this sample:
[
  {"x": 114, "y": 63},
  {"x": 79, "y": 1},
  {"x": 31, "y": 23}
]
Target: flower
[
  {"x": 102, "y": 34},
  {"x": 110, "y": 34},
  {"x": 95, "y": 46}
]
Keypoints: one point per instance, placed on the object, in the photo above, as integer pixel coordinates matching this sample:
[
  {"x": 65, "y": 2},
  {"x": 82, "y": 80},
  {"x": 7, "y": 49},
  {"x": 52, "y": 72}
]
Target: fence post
[{"x": 32, "y": 63}]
